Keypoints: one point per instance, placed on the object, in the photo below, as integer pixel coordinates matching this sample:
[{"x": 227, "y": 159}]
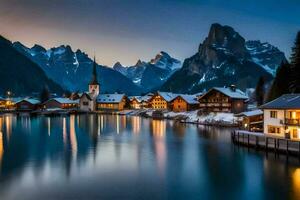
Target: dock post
[
  {"x": 287, "y": 146},
  {"x": 267, "y": 143},
  {"x": 256, "y": 142},
  {"x": 238, "y": 137},
  {"x": 248, "y": 140}
]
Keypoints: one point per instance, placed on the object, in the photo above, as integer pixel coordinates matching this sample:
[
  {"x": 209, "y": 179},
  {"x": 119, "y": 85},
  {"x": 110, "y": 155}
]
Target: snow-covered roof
[
  {"x": 14, "y": 99},
  {"x": 30, "y": 100},
  {"x": 190, "y": 99},
  {"x": 110, "y": 98},
  {"x": 65, "y": 100},
  {"x": 286, "y": 101},
  {"x": 88, "y": 95},
  {"x": 168, "y": 96},
  {"x": 232, "y": 93},
  {"x": 251, "y": 113}
]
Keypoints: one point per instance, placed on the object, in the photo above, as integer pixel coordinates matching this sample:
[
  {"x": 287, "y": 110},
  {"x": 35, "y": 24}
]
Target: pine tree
[
  {"x": 295, "y": 66},
  {"x": 280, "y": 83},
  {"x": 45, "y": 94},
  {"x": 260, "y": 91}
]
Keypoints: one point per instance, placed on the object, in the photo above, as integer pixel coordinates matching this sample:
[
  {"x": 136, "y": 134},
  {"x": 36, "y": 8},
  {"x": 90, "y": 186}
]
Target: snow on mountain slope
[{"x": 152, "y": 74}]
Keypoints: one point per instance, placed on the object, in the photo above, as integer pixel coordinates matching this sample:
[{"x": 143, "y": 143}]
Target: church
[
  {"x": 92, "y": 100},
  {"x": 88, "y": 100}
]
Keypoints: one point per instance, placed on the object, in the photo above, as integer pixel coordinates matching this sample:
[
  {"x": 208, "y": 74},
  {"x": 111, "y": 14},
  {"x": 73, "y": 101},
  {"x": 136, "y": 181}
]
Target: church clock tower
[{"x": 94, "y": 86}]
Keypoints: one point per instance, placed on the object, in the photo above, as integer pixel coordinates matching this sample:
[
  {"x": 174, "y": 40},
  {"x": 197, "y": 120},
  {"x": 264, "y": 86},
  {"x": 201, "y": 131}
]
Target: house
[
  {"x": 139, "y": 102},
  {"x": 63, "y": 103},
  {"x": 135, "y": 102},
  {"x": 27, "y": 104},
  {"x": 10, "y": 103},
  {"x": 282, "y": 116},
  {"x": 162, "y": 100},
  {"x": 2, "y": 103},
  {"x": 252, "y": 120},
  {"x": 111, "y": 102},
  {"x": 184, "y": 102},
  {"x": 223, "y": 99},
  {"x": 87, "y": 101}
]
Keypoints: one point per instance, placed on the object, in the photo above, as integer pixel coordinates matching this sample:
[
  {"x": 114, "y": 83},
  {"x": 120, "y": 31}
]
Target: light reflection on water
[{"x": 119, "y": 157}]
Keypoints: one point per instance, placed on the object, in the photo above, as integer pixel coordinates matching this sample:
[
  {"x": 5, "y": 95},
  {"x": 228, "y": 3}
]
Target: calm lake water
[{"x": 119, "y": 157}]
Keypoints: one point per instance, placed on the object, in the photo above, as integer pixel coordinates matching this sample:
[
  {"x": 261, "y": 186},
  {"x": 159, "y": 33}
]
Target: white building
[{"x": 282, "y": 116}]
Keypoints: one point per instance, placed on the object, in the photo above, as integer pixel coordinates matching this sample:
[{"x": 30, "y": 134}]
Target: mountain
[
  {"x": 152, "y": 74},
  {"x": 73, "y": 70},
  {"x": 265, "y": 55},
  {"x": 225, "y": 58},
  {"x": 19, "y": 74}
]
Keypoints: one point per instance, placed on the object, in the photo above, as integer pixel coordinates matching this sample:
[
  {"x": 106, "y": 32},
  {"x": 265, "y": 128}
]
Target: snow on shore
[{"x": 192, "y": 117}]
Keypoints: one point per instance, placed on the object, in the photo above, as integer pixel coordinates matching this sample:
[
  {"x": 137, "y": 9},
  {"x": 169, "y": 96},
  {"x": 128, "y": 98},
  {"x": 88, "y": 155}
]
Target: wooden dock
[{"x": 266, "y": 142}]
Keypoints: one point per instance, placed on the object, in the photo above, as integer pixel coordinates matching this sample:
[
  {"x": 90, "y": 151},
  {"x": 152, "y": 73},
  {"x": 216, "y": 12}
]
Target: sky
[{"x": 128, "y": 30}]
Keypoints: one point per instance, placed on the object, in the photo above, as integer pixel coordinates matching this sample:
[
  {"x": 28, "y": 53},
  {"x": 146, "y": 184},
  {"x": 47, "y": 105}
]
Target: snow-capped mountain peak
[{"x": 150, "y": 74}]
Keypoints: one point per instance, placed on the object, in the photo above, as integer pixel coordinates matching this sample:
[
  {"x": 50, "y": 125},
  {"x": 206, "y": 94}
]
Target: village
[{"x": 219, "y": 106}]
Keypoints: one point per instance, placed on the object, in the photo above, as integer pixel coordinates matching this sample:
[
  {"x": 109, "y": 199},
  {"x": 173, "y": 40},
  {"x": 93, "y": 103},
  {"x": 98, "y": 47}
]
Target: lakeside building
[
  {"x": 223, "y": 99},
  {"x": 87, "y": 101},
  {"x": 63, "y": 103},
  {"x": 184, "y": 102},
  {"x": 2, "y": 103},
  {"x": 27, "y": 104},
  {"x": 115, "y": 102},
  {"x": 282, "y": 116},
  {"x": 140, "y": 102},
  {"x": 252, "y": 120},
  {"x": 162, "y": 100}
]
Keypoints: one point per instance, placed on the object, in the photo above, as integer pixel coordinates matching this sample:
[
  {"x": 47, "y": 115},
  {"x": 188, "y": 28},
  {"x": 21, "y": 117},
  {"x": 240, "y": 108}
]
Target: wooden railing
[{"x": 215, "y": 105}]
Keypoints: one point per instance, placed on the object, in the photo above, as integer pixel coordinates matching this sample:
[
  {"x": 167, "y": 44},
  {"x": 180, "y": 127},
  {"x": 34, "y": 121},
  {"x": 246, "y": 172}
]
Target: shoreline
[{"x": 188, "y": 117}]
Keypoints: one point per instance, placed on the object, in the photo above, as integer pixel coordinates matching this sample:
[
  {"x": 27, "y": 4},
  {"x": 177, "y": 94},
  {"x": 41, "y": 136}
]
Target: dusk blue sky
[{"x": 128, "y": 30}]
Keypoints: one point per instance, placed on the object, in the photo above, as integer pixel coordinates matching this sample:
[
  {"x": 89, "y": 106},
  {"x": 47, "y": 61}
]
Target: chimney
[{"x": 232, "y": 87}]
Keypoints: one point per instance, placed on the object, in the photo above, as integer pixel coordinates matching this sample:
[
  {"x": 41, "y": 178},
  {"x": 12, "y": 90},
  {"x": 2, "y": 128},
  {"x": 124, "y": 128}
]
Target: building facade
[
  {"x": 162, "y": 100},
  {"x": 183, "y": 103},
  {"x": 227, "y": 99},
  {"x": 62, "y": 103},
  {"x": 27, "y": 104},
  {"x": 282, "y": 116},
  {"x": 112, "y": 102},
  {"x": 252, "y": 120}
]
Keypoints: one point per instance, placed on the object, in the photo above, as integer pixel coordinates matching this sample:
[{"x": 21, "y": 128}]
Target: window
[
  {"x": 273, "y": 114},
  {"x": 85, "y": 103},
  {"x": 273, "y": 129}
]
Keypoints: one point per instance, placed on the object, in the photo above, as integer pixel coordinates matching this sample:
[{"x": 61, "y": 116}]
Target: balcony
[
  {"x": 292, "y": 122},
  {"x": 220, "y": 105}
]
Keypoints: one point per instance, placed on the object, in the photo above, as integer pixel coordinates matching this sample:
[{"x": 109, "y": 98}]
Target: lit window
[{"x": 273, "y": 114}]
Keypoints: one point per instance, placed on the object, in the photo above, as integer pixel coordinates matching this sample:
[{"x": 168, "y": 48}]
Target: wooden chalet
[
  {"x": 140, "y": 102},
  {"x": 183, "y": 103},
  {"x": 114, "y": 102},
  {"x": 27, "y": 104},
  {"x": 223, "y": 99},
  {"x": 252, "y": 120},
  {"x": 162, "y": 100},
  {"x": 62, "y": 103}
]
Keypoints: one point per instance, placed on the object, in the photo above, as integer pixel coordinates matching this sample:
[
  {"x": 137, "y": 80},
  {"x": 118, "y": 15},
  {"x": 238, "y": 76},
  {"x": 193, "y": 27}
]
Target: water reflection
[
  {"x": 136, "y": 124},
  {"x": 73, "y": 138},
  {"x": 158, "y": 128},
  {"x": 105, "y": 156}
]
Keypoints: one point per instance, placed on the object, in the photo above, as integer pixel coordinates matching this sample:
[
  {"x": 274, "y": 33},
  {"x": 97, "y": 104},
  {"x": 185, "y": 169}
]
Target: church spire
[{"x": 94, "y": 80}]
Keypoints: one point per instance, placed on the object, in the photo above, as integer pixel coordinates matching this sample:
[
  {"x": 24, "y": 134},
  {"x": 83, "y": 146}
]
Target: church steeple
[
  {"x": 94, "y": 80},
  {"x": 94, "y": 87}
]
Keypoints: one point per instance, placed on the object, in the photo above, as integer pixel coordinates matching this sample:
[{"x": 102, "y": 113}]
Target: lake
[{"x": 122, "y": 157}]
